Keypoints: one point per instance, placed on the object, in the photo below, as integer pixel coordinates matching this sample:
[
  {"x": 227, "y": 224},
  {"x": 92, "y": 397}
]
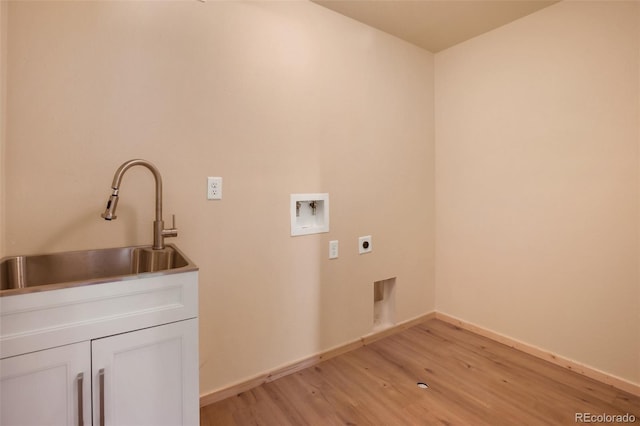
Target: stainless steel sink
[{"x": 23, "y": 274}]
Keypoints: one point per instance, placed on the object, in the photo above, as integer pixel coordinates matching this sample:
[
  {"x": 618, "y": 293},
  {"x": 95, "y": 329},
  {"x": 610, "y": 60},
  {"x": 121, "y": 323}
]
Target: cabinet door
[
  {"x": 50, "y": 387},
  {"x": 147, "y": 377}
]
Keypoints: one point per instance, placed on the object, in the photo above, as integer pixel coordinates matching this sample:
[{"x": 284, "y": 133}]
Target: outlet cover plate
[
  {"x": 364, "y": 244},
  {"x": 333, "y": 249},
  {"x": 214, "y": 188}
]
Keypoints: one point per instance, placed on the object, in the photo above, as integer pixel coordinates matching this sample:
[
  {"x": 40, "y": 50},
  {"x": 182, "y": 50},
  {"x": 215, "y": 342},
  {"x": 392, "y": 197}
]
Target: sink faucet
[{"x": 159, "y": 233}]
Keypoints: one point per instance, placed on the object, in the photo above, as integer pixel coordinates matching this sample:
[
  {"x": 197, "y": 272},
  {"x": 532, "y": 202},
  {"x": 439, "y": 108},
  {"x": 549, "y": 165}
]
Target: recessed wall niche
[{"x": 384, "y": 304}]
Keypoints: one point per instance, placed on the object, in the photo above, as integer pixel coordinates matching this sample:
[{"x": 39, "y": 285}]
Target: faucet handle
[{"x": 171, "y": 232}]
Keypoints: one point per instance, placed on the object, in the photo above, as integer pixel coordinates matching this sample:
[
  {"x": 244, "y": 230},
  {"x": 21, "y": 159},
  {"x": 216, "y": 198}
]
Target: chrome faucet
[{"x": 159, "y": 233}]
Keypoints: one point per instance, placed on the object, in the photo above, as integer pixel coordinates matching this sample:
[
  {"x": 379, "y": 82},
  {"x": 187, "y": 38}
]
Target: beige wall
[
  {"x": 537, "y": 130},
  {"x": 3, "y": 115},
  {"x": 275, "y": 97},
  {"x": 538, "y": 127}
]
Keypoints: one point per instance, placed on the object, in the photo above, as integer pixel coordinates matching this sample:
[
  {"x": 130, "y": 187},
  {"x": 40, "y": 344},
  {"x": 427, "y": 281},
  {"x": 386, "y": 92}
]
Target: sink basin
[{"x": 23, "y": 274}]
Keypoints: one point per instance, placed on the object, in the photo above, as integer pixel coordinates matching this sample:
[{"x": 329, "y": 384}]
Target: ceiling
[{"x": 435, "y": 24}]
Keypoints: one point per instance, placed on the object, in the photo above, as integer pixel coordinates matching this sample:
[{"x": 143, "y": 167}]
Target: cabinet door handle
[
  {"x": 101, "y": 380},
  {"x": 79, "y": 381}
]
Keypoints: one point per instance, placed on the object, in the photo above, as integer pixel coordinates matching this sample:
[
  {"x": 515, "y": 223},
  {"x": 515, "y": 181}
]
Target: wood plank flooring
[{"x": 472, "y": 381}]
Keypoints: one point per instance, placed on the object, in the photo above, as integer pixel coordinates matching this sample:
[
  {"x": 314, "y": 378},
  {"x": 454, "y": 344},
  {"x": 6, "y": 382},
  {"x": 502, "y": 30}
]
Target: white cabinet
[
  {"x": 43, "y": 388},
  {"x": 147, "y": 377},
  {"x": 113, "y": 354}
]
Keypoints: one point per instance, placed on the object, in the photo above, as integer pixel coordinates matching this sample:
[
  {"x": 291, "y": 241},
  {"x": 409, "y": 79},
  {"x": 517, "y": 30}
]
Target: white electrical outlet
[
  {"x": 364, "y": 244},
  {"x": 333, "y": 249},
  {"x": 214, "y": 188}
]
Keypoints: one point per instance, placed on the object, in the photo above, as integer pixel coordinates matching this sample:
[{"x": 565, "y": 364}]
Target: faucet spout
[
  {"x": 159, "y": 233},
  {"x": 110, "y": 211}
]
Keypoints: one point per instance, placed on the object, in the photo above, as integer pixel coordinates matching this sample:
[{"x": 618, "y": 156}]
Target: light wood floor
[{"x": 472, "y": 381}]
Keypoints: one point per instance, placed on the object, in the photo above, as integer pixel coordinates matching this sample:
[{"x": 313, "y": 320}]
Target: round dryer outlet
[{"x": 364, "y": 244}]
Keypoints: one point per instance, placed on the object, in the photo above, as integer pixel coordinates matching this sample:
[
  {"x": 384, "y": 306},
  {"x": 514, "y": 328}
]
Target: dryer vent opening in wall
[{"x": 384, "y": 304}]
